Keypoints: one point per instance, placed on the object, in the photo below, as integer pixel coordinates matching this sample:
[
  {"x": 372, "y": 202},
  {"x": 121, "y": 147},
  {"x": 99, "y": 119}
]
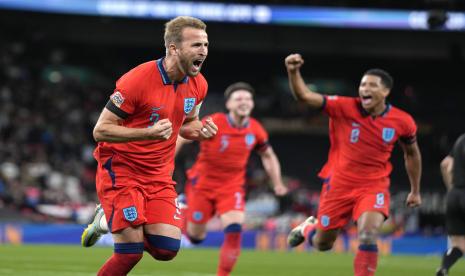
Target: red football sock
[
  {"x": 119, "y": 264},
  {"x": 366, "y": 260},
  {"x": 230, "y": 250}
]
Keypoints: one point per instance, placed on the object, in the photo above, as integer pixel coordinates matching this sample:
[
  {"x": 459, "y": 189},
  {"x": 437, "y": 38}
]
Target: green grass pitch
[{"x": 41, "y": 260}]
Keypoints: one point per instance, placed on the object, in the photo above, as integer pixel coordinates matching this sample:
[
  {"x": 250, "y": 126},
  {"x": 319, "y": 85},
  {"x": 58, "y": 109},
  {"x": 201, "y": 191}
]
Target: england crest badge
[
  {"x": 249, "y": 139},
  {"x": 388, "y": 134},
  {"x": 130, "y": 213},
  {"x": 189, "y": 104}
]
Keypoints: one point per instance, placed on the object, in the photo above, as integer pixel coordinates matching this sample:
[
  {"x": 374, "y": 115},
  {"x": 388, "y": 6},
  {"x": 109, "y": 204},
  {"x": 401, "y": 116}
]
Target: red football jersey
[
  {"x": 361, "y": 145},
  {"x": 222, "y": 160},
  {"x": 142, "y": 97}
]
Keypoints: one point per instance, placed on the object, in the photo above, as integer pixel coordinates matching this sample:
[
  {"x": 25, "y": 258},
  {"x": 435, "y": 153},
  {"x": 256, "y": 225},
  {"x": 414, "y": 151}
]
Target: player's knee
[
  {"x": 323, "y": 245},
  {"x": 163, "y": 248},
  {"x": 322, "y": 242},
  {"x": 368, "y": 236},
  {"x": 233, "y": 228},
  {"x": 163, "y": 254}
]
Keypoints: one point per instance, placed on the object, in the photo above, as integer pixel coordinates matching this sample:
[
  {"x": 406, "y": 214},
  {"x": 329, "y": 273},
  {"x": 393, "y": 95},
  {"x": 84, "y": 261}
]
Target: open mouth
[
  {"x": 197, "y": 63},
  {"x": 366, "y": 99}
]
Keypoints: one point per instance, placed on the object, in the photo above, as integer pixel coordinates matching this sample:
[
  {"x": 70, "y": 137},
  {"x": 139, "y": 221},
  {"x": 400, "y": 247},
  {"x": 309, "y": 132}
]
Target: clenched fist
[
  {"x": 209, "y": 129},
  {"x": 293, "y": 62},
  {"x": 162, "y": 130}
]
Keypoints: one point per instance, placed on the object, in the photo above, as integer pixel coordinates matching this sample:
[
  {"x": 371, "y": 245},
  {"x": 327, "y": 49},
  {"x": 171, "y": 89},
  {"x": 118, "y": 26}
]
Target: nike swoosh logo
[{"x": 176, "y": 217}]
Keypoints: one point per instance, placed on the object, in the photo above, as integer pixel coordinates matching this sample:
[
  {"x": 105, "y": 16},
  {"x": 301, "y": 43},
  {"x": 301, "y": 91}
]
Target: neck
[
  {"x": 171, "y": 67},
  {"x": 377, "y": 110},
  {"x": 238, "y": 120}
]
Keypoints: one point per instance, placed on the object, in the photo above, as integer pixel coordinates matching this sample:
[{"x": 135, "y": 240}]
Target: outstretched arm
[
  {"x": 298, "y": 87},
  {"x": 273, "y": 169},
  {"x": 109, "y": 129},
  {"x": 446, "y": 170},
  {"x": 412, "y": 157}
]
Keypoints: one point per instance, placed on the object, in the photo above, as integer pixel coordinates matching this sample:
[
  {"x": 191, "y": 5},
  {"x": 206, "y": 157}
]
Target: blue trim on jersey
[
  {"x": 164, "y": 75},
  {"x": 233, "y": 125},
  {"x": 112, "y": 174},
  {"x": 194, "y": 180},
  {"x": 129, "y": 248},
  {"x": 233, "y": 228},
  {"x": 383, "y": 114},
  {"x": 386, "y": 110},
  {"x": 110, "y": 221},
  {"x": 368, "y": 247},
  {"x": 163, "y": 242}
]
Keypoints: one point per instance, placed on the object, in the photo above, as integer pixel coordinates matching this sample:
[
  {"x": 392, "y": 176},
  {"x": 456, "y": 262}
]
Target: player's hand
[
  {"x": 280, "y": 190},
  {"x": 413, "y": 200},
  {"x": 161, "y": 130},
  {"x": 209, "y": 129},
  {"x": 293, "y": 62}
]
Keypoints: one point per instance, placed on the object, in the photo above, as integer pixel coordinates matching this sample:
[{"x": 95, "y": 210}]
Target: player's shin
[
  {"x": 124, "y": 258},
  {"x": 448, "y": 260},
  {"x": 366, "y": 260},
  {"x": 230, "y": 250}
]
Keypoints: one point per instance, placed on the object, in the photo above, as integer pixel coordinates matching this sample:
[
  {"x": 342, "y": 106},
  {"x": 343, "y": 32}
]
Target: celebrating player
[
  {"x": 215, "y": 182},
  {"x": 136, "y": 134},
  {"x": 453, "y": 174},
  {"x": 363, "y": 132}
]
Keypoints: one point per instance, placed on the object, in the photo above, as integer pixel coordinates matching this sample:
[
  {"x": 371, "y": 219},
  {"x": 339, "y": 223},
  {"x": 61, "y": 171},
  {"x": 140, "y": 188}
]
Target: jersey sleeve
[
  {"x": 214, "y": 117},
  {"x": 337, "y": 106},
  {"x": 201, "y": 93},
  {"x": 123, "y": 101},
  {"x": 262, "y": 138},
  {"x": 409, "y": 133},
  {"x": 202, "y": 89}
]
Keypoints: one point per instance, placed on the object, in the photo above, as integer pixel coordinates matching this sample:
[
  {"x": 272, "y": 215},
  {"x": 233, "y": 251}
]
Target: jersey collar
[
  {"x": 232, "y": 124},
  {"x": 366, "y": 114},
  {"x": 164, "y": 75}
]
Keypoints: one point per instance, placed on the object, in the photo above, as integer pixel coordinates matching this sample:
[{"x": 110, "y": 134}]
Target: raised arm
[
  {"x": 273, "y": 169},
  {"x": 109, "y": 129},
  {"x": 412, "y": 157},
  {"x": 298, "y": 87}
]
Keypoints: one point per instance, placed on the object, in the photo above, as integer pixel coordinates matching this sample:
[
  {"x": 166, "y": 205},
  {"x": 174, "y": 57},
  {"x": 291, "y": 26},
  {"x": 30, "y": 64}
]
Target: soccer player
[
  {"x": 363, "y": 132},
  {"x": 136, "y": 134},
  {"x": 453, "y": 174},
  {"x": 215, "y": 182}
]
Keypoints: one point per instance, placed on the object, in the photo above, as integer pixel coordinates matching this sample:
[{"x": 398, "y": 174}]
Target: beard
[{"x": 185, "y": 67}]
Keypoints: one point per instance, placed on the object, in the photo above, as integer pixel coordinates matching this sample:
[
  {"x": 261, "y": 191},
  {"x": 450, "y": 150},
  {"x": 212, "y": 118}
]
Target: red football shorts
[
  {"x": 341, "y": 202},
  {"x": 127, "y": 202},
  {"x": 203, "y": 204}
]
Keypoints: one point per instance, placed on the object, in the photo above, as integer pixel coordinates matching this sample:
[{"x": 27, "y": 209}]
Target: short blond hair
[{"x": 174, "y": 28}]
